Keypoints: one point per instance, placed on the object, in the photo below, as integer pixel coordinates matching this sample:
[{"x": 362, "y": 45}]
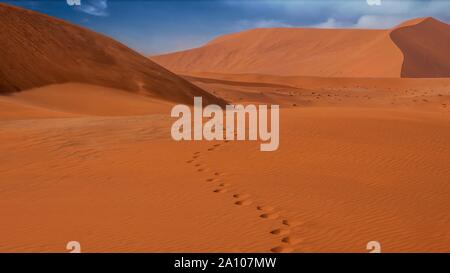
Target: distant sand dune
[{"x": 399, "y": 52}]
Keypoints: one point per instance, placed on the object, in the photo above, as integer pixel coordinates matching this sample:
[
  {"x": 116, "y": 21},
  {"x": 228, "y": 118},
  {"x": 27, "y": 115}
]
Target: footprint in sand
[
  {"x": 271, "y": 215},
  {"x": 291, "y": 223},
  {"x": 241, "y": 196},
  {"x": 243, "y": 202},
  {"x": 292, "y": 240},
  {"x": 282, "y": 249},
  {"x": 280, "y": 231},
  {"x": 268, "y": 210},
  {"x": 265, "y": 208}
]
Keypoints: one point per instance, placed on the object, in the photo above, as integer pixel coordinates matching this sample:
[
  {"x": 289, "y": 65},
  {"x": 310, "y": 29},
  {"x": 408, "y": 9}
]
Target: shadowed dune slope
[
  {"x": 425, "y": 46},
  {"x": 322, "y": 52},
  {"x": 38, "y": 50}
]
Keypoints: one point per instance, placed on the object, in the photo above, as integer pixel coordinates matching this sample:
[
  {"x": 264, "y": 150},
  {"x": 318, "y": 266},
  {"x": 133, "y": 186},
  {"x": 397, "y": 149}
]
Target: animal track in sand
[
  {"x": 211, "y": 179},
  {"x": 224, "y": 184}
]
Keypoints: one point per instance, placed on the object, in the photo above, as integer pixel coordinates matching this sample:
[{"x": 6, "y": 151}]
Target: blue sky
[{"x": 158, "y": 26}]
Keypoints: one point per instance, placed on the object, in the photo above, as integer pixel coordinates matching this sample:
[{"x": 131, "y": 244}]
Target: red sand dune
[
  {"x": 38, "y": 50},
  {"x": 425, "y": 48},
  {"x": 400, "y": 52},
  {"x": 359, "y": 159}
]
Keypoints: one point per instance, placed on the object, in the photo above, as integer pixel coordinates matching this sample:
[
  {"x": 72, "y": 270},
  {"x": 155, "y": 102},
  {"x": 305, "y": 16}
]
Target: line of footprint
[{"x": 288, "y": 242}]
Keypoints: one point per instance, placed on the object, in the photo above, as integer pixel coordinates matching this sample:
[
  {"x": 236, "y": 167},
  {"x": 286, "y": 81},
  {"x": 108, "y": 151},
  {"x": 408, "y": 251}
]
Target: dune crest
[
  {"x": 392, "y": 53},
  {"x": 425, "y": 46},
  {"x": 38, "y": 50}
]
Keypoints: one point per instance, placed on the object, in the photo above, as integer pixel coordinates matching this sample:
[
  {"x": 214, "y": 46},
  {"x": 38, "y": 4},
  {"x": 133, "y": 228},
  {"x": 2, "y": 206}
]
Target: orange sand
[
  {"x": 87, "y": 155},
  {"x": 343, "y": 176}
]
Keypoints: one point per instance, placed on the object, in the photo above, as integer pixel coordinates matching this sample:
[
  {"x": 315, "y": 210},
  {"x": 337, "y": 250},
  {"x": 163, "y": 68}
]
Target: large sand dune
[
  {"x": 425, "y": 48},
  {"x": 324, "y": 52},
  {"x": 360, "y": 159},
  {"x": 38, "y": 50}
]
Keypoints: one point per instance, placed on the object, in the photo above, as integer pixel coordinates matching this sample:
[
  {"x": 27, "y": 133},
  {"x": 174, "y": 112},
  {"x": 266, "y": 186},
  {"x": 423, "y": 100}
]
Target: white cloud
[
  {"x": 329, "y": 23},
  {"x": 348, "y": 14},
  {"x": 94, "y": 7},
  {"x": 250, "y": 24},
  {"x": 365, "y": 22},
  {"x": 377, "y": 21}
]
